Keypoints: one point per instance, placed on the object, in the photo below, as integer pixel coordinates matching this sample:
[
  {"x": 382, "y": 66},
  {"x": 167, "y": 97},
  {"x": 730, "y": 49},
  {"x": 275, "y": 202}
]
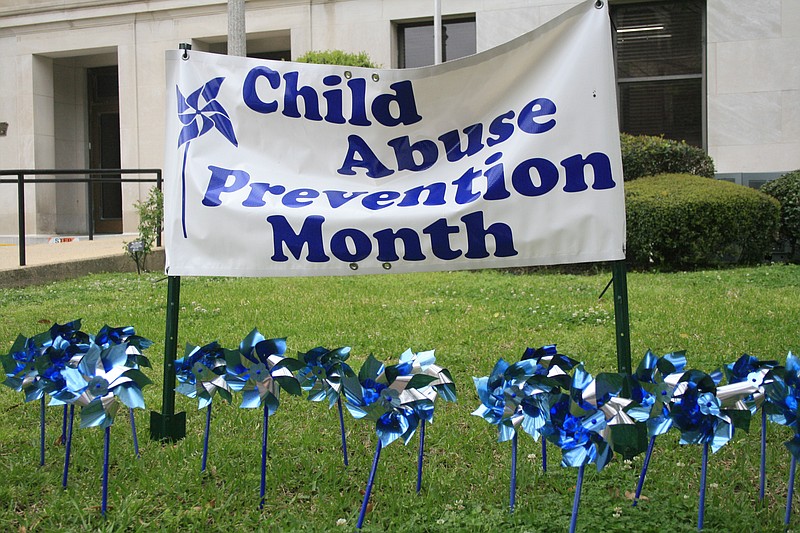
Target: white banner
[{"x": 506, "y": 158}]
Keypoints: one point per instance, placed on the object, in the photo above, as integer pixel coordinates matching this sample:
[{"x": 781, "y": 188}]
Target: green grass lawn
[{"x": 471, "y": 319}]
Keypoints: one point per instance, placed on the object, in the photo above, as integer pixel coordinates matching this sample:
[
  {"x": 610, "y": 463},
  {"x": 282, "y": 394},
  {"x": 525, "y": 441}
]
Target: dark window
[
  {"x": 659, "y": 54},
  {"x": 415, "y": 41}
]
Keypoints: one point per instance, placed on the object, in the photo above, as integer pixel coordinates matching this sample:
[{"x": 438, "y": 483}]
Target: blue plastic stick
[
  {"x": 41, "y": 432},
  {"x": 702, "y": 507},
  {"x": 341, "y": 425},
  {"x": 642, "y": 475},
  {"x": 420, "y": 455},
  {"x": 205, "y": 438},
  {"x": 763, "y": 467},
  {"x": 63, "y": 439},
  {"x": 68, "y": 443},
  {"x": 371, "y": 480},
  {"x": 133, "y": 431},
  {"x": 577, "y": 500},
  {"x": 513, "y": 491},
  {"x": 544, "y": 454},
  {"x": 264, "y": 437},
  {"x": 792, "y": 468},
  {"x": 107, "y": 442}
]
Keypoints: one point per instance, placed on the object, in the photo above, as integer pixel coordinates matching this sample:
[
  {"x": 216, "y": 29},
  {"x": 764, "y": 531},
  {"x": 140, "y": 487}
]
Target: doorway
[{"x": 104, "y": 147}]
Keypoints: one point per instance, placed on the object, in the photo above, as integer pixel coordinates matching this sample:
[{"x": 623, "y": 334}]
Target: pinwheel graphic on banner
[
  {"x": 783, "y": 398},
  {"x": 100, "y": 381},
  {"x": 651, "y": 388},
  {"x": 201, "y": 374},
  {"x": 321, "y": 377},
  {"x": 259, "y": 370},
  {"x": 748, "y": 369},
  {"x": 556, "y": 367},
  {"x": 707, "y": 414},
  {"x": 422, "y": 380},
  {"x": 509, "y": 401}
]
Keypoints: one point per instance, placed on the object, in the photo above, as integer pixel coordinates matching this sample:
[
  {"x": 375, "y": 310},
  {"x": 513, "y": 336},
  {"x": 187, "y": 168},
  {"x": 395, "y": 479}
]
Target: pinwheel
[
  {"x": 259, "y": 370},
  {"x": 422, "y": 382},
  {"x": 783, "y": 398},
  {"x": 201, "y": 374},
  {"x": 556, "y": 367},
  {"x": 581, "y": 424},
  {"x": 371, "y": 396},
  {"x": 321, "y": 377},
  {"x": 651, "y": 388},
  {"x": 502, "y": 395},
  {"x": 99, "y": 379},
  {"x": 699, "y": 410},
  {"x": 134, "y": 345},
  {"x": 748, "y": 369}
]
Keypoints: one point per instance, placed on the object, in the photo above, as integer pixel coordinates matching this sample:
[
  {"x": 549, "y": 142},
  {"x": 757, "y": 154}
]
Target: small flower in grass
[
  {"x": 617, "y": 512},
  {"x": 341, "y": 522},
  {"x": 713, "y": 485}
]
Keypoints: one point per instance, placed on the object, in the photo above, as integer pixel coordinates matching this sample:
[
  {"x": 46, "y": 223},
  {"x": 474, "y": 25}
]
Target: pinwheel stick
[
  {"x": 703, "y": 470},
  {"x": 107, "y": 445},
  {"x": 513, "y": 490},
  {"x": 577, "y": 500},
  {"x": 792, "y": 468},
  {"x": 371, "y": 480},
  {"x": 420, "y": 455},
  {"x": 205, "y": 439},
  {"x": 68, "y": 444},
  {"x": 41, "y": 432},
  {"x": 341, "y": 425},
  {"x": 264, "y": 437},
  {"x": 642, "y": 475},
  {"x": 544, "y": 454},
  {"x": 762, "y": 482},
  {"x": 133, "y": 432}
]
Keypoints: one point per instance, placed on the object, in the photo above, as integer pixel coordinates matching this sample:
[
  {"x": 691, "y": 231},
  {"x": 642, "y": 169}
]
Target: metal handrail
[{"x": 21, "y": 180}]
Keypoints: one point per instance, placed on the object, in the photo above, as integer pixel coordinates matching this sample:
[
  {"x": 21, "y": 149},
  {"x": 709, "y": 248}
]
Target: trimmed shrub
[
  {"x": 337, "y": 57},
  {"x": 643, "y": 155},
  {"x": 787, "y": 190},
  {"x": 680, "y": 220}
]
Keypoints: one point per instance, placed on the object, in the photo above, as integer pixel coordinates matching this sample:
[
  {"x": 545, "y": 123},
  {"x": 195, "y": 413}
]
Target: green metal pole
[
  {"x": 621, "y": 317},
  {"x": 169, "y": 425}
]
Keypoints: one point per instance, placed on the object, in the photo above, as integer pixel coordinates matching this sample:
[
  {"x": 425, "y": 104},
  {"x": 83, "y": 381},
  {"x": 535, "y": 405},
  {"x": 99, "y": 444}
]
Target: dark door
[{"x": 103, "y": 89}]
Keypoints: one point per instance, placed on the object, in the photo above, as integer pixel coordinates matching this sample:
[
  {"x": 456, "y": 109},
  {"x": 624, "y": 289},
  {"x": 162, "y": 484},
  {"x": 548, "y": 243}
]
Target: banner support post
[
  {"x": 619, "y": 271},
  {"x": 169, "y": 425}
]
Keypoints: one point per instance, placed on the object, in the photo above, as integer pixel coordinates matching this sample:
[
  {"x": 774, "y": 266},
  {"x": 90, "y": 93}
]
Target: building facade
[{"x": 82, "y": 81}]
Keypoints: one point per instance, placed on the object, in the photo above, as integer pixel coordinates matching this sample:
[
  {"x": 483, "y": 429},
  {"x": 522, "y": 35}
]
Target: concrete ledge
[{"x": 40, "y": 274}]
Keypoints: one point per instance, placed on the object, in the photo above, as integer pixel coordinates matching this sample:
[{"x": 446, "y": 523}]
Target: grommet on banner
[
  {"x": 598, "y": 4},
  {"x": 375, "y": 77},
  {"x": 353, "y": 266},
  {"x": 387, "y": 266},
  {"x": 185, "y": 47},
  {"x": 348, "y": 74}
]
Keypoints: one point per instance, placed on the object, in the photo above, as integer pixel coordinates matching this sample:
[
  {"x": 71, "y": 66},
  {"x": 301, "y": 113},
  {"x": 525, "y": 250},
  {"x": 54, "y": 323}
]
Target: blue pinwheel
[
  {"x": 700, "y": 410},
  {"x": 749, "y": 371},
  {"x": 321, "y": 377},
  {"x": 783, "y": 399},
  {"x": 259, "y": 370},
  {"x": 201, "y": 374},
  {"x": 651, "y": 388},
  {"x": 200, "y": 113}
]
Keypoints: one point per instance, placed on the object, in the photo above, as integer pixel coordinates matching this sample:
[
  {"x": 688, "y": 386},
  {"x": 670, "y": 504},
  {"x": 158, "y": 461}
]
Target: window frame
[{"x": 400, "y": 26}]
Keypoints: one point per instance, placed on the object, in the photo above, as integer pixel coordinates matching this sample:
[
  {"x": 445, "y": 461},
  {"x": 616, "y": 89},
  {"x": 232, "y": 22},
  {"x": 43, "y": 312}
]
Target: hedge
[
  {"x": 644, "y": 155},
  {"x": 680, "y": 220},
  {"x": 338, "y": 57},
  {"x": 786, "y": 190}
]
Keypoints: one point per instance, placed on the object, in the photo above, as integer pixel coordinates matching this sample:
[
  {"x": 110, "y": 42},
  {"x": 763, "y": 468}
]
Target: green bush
[
  {"x": 643, "y": 155},
  {"x": 151, "y": 220},
  {"x": 680, "y": 220},
  {"x": 787, "y": 190},
  {"x": 338, "y": 57}
]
